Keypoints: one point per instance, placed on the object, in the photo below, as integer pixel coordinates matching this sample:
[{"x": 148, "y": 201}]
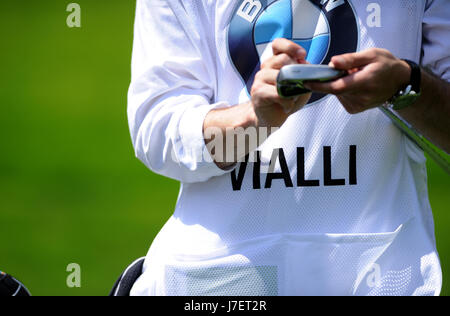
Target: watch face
[{"x": 405, "y": 101}]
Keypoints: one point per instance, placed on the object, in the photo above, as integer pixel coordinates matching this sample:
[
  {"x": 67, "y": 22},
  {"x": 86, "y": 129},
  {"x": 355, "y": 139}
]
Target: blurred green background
[{"x": 71, "y": 189}]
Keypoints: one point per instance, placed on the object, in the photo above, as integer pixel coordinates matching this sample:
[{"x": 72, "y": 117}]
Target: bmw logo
[{"x": 325, "y": 28}]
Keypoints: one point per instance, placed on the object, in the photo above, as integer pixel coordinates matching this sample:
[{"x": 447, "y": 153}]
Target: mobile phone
[{"x": 291, "y": 79}]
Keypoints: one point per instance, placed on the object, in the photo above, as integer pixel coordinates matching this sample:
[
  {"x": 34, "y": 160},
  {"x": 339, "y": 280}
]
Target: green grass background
[{"x": 70, "y": 187}]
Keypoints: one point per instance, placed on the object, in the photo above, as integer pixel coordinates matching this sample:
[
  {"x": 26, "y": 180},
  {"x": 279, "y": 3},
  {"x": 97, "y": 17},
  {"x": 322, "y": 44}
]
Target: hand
[
  {"x": 271, "y": 110},
  {"x": 375, "y": 75}
]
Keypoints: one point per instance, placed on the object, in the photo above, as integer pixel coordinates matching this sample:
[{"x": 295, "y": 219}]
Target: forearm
[
  {"x": 431, "y": 113},
  {"x": 220, "y": 128},
  {"x": 232, "y": 133}
]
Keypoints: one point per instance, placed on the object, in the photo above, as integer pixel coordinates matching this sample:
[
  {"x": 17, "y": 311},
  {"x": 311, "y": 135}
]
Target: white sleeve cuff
[{"x": 190, "y": 147}]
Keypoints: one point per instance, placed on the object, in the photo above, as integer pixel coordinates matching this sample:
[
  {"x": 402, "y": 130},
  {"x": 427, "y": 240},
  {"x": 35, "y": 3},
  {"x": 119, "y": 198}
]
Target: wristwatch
[{"x": 409, "y": 95}]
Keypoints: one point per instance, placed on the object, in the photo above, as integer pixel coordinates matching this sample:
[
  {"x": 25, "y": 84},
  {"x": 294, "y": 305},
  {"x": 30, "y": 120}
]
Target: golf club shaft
[{"x": 418, "y": 139}]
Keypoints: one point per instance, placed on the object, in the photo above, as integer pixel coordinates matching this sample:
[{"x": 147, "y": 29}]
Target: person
[{"x": 331, "y": 198}]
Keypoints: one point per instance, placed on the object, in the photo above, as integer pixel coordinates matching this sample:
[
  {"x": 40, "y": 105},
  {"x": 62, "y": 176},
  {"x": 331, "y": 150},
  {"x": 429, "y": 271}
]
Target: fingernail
[
  {"x": 331, "y": 64},
  {"x": 301, "y": 52}
]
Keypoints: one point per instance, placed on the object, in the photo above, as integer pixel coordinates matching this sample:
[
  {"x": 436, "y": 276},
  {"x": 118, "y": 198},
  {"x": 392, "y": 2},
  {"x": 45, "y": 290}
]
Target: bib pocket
[{"x": 288, "y": 264}]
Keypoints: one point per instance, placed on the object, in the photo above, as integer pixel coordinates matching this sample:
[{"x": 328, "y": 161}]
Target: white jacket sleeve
[
  {"x": 171, "y": 91},
  {"x": 436, "y": 35}
]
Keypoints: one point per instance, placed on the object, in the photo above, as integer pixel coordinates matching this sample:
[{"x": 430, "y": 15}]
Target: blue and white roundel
[
  {"x": 302, "y": 22},
  {"x": 325, "y": 28}
]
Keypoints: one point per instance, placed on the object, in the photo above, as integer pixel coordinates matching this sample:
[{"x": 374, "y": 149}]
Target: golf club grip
[{"x": 417, "y": 138}]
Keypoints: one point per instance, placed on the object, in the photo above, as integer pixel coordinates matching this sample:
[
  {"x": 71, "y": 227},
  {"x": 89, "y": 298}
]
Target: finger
[
  {"x": 353, "y": 60},
  {"x": 285, "y": 46},
  {"x": 287, "y": 105},
  {"x": 278, "y": 61},
  {"x": 268, "y": 75},
  {"x": 349, "y": 104},
  {"x": 271, "y": 93},
  {"x": 300, "y": 102},
  {"x": 349, "y": 83}
]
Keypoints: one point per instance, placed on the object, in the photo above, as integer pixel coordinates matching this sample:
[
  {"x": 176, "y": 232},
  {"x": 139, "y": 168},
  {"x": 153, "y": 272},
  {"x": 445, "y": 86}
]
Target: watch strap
[{"x": 416, "y": 76}]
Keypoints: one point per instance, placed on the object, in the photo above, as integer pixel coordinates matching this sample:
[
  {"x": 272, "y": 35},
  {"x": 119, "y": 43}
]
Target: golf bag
[
  {"x": 9, "y": 286},
  {"x": 125, "y": 282}
]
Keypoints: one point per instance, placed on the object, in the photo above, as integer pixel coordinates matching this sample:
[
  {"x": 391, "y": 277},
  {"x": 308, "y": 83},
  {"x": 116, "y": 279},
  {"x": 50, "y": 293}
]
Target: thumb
[{"x": 352, "y": 60}]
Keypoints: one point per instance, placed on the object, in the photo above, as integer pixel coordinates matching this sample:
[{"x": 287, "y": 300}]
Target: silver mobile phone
[{"x": 292, "y": 77}]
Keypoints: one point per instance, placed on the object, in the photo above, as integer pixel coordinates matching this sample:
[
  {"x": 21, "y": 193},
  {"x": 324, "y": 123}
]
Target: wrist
[
  {"x": 409, "y": 92},
  {"x": 250, "y": 119},
  {"x": 224, "y": 119},
  {"x": 403, "y": 70}
]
